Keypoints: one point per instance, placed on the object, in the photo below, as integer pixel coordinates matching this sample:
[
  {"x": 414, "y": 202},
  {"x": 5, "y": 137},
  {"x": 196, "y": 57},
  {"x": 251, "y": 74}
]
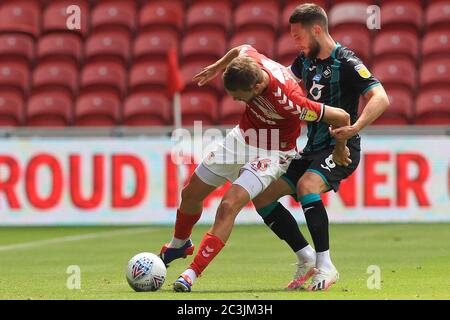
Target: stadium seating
[
  {"x": 11, "y": 108},
  {"x": 49, "y": 109},
  {"x": 97, "y": 109},
  {"x": 20, "y": 16},
  {"x": 396, "y": 44},
  {"x": 161, "y": 14},
  {"x": 396, "y": 73},
  {"x": 55, "y": 16},
  {"x": 120, "y": 56},
  {"x": 118, "y": 14},
  {"x": 147, "y": 109},
  {"x": 209, "y": 15},
  {"x": 437, "y": 15},
  {"x": 433, "y": 107},
  {"x": 60, "y": 46},
  {"x": 436, "y": 44},
  {"x": 152, "y": 45},
  {"x": 199, "y": 107},
  {"x": 56, "y": 75},
  {"x": 231, "y": 111},
  {"x": 262, "y": 40},
  {"x": 111, "y": 45},
  {"x": 16, "y": 46}
]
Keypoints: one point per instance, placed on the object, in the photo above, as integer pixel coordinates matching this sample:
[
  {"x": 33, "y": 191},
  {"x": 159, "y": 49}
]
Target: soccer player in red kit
[{"x": 253, "y": 155}]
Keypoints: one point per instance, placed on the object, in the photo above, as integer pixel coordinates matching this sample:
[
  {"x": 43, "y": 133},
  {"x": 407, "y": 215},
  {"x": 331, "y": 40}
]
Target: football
[{"x": 146, "y": 272}]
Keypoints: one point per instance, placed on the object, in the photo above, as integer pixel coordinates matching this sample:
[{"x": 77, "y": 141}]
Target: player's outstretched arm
[{"x": 211, "y": 71}]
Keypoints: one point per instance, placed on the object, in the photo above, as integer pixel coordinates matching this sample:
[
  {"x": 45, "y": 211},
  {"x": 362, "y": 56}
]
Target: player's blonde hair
[{"x": 243, "y": 73}]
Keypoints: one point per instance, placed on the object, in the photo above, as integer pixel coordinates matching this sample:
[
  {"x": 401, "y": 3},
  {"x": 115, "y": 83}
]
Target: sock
[
  {"x": 317, "y": 221},
  {"x": 191, "y": 274},
  {"x": 208, "y": 249},
  {"x": 307, "y": 254},
  {"x": 324, "y": 260},
  {"x": 183, "y": 227},
  {"x": 283, "y": 224}
]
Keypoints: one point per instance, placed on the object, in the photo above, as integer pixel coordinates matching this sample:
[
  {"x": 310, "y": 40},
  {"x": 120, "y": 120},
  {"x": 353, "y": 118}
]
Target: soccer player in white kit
[{"x": 254, "y": 154}]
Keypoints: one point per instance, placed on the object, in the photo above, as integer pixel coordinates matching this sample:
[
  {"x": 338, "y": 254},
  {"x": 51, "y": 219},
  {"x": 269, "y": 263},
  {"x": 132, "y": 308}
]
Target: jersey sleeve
[
  {"x": 296, "y": 104},
  {"x": 296, "y": 67},
  {"x": 359, "y": 76}
]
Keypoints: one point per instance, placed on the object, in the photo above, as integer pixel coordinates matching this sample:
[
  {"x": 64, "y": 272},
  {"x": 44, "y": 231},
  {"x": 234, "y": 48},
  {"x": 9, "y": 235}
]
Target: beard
[{"x": 314, "y": 49}]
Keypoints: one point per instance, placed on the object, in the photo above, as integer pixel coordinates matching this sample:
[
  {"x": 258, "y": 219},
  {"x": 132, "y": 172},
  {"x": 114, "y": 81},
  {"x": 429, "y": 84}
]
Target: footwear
[
  {"x": 323, "y": 279},
  {"x": 304, "y": 272},
  {"x": 167, "y": 254},
  {"x": 183, "y": 284}
]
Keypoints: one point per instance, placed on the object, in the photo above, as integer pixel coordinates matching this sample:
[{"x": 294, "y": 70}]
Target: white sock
[
  {"x": 307, "y": 254},
  {"x": 324, "y": 261},
  {"x": 191, "y": 274},
  {"x": 177, "y": 243}
]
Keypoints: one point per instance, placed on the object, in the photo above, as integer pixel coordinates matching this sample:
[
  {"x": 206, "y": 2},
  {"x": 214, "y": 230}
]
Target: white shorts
[{"x": 252, "y": 168}]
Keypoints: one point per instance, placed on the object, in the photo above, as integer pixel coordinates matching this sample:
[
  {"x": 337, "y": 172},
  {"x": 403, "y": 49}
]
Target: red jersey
[{"x": 282, "y": 106}]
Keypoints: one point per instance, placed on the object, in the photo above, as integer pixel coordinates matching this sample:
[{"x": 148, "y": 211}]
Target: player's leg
[
  {"x": 284, "y": 225},
  {"x": 240, "y": 193},
  {"x": 201, "y": 184}
]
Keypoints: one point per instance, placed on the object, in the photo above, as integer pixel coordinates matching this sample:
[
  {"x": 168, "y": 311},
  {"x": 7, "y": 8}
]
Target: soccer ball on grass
[{"x": 146, "y": 272}]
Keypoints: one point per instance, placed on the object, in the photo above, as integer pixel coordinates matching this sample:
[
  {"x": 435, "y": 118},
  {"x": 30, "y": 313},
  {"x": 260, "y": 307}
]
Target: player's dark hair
[
  {"x": 309, "y": 14},
  {"x": 243, "y": 73}
]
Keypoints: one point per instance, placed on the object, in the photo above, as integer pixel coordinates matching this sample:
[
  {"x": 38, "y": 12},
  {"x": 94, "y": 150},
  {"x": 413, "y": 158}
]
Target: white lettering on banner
[{"x": 132, "y": 181}]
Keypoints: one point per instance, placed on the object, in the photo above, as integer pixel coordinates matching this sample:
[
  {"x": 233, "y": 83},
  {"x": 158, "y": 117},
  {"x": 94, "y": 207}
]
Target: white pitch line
[{"x": 96, "y": 235}]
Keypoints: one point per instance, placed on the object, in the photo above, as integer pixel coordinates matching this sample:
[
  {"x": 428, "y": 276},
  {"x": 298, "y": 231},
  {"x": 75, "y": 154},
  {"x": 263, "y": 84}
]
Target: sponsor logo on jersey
[
  {"x": 316, "y": 91},
  {"x": 363, "y": 71},
  {"x": 317, "y": 77},
  {"x": 327, "y": 73}
]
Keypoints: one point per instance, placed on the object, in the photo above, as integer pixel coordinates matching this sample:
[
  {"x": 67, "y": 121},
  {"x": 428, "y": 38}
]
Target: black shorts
[{"x": 321, "y": 162}]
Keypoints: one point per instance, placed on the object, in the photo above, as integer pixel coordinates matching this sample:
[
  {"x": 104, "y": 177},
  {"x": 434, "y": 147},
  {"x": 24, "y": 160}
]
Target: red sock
[
  {"x": 184, "y": 224},
  {"x": 209, "y": 248}
]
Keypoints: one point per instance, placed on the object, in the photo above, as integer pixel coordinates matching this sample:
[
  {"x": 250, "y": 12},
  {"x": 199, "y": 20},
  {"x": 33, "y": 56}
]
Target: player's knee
[
  {"x": 306, "y": 186},
  {"x": 227, "y": 210}
]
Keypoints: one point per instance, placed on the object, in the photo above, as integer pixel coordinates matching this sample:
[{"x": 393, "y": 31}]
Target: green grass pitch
[{"x": 414, "y": 260}]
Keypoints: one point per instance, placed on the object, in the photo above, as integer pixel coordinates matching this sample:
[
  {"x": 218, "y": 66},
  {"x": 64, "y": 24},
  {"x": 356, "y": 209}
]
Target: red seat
[
  {"x": 155, "y": 14},
  {"x": 60, "y": 46},
  {"x": 17, "y": 46},
  {"x": 401, "y": 15},
  {"x": 49, "y": 109},
  {"x": 97, "y": 109},
  {"x": 104, "y": 75},
  {"x": 396, "y": 73},
  {"x": 197, "y": 45},
  {"x": 147, "y": 109},
  {"x": 114, "y": 14},
  {"x": 154, "y": 44},
  {"x": 400, "y": 110},
  {"x": 111, "y": 45},
  {"x": 199, "y": 107},
  {"x": 20, "y": 16},
  {"x": 286, "y": 50},
  {"x": 437, "y": 15},
  {"x": 356, "y": 39},
  {"x": 189, "y": 70},
  {"x": 348, "y": 14},
  {"x": 436, "y": 44},
  {"x": 150, "y": 75},
  {"x": 209, "y": 15},
  {"x": 435, "y": 73},
  {"x": 14, "y": 76},
  {"x": 11, "y": 109},
  {"x": 396, "y": 43},
  {"x": 433, "y": 107},
  {"x": 261, "y": 40},
  {"x": 231, "y": 111},
  {"x": 56, "y": 75},
  {"x": 257, "y": 15},
  {"x": 55, "y": 16}
]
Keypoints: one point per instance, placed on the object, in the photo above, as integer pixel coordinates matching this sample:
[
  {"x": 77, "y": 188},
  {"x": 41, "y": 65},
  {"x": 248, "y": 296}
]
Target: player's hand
[
  {"x": 341, "y": 156},
  {"x": 344, "y": 133},
  {"x": 207, "y": 74}
]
